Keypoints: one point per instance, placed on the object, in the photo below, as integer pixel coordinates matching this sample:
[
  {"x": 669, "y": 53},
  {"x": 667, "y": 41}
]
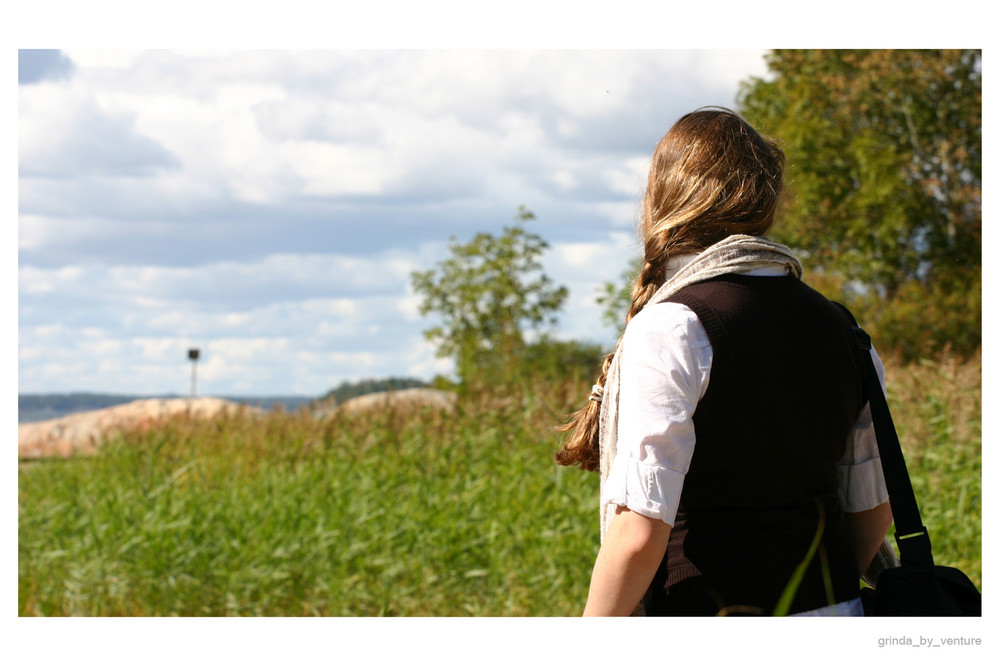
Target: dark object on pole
[{"x": 193, "y": 355}]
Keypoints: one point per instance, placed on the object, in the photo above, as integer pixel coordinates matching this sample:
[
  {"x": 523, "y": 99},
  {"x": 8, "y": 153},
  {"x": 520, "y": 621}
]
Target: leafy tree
[
  {"x": 485, "y": 294},
  {"x": 884, "y": 183},
  {"x": 617, "y": 298},
  {"x": 554, "y": 361}
]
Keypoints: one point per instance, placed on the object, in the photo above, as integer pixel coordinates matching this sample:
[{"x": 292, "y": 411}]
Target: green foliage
[
  {"x": 485, "y": 294},
  {"x": 616, "y": 299},
  {"x": 553, "y": 361},
  {"x": 937, "y": 409},
  {"x": 442, "y": 383},
  {"x": 884, "y": 183},
  {"x": 348, "y": 390}
]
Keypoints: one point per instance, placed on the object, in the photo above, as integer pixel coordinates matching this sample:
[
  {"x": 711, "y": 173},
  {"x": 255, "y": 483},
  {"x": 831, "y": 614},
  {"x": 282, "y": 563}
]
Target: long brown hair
[{"x": 711, "y": 176}]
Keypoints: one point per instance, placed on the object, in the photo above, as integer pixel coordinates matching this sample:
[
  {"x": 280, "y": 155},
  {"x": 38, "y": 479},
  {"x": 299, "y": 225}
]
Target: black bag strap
[{"x": 911, "y": 536}]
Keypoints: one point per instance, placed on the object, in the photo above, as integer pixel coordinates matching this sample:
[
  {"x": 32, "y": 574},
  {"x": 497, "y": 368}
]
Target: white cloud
[
  {"x": 409, "y": 307},
  {"x": 270, "y": 206},
  {"x": 585, "y": 268},
  {"x": 226, "y": 285},
  {"x": 327, "y": 169},
  {"x": 160, "y": 349},
  {"x": 581, "y": 255},
  {"x": 63, "y": 131},
  {"x": 120, "y": 59},
  {"x": 421, "y": 360}
]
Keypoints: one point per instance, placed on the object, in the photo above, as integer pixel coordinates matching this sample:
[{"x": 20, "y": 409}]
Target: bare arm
[
  {"x": 868, "y": 529},
  {"x": 630, "y": 554}
]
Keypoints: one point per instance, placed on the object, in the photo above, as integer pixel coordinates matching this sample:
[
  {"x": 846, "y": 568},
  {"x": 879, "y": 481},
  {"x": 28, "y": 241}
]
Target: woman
[{"x": 729, "y": 425}]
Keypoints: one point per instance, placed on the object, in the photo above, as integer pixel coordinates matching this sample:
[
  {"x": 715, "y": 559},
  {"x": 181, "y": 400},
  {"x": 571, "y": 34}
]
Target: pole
[{"x": 193, "y": 355}]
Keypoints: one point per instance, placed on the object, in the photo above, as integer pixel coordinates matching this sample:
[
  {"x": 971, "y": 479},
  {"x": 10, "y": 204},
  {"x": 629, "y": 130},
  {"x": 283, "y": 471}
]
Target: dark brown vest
[{"x": 784, "y": 393}]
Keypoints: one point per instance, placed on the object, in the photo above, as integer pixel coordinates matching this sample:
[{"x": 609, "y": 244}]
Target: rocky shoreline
[{"x": 82, "y": 432}]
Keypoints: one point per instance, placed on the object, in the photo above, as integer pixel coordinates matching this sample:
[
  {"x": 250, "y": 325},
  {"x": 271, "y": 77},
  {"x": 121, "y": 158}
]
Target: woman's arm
[
  {"x": 629, "y": 557},
  {"x": 868, "y": 529},
  {"x": 863, "y": 493}
]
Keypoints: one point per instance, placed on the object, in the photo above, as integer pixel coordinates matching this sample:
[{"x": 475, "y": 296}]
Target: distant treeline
[{"x": 348, "y": 390}]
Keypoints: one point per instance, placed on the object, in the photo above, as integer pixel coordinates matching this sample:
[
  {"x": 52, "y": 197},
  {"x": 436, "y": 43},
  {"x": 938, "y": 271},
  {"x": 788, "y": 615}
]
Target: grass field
[{"x": 391, "y": 513}]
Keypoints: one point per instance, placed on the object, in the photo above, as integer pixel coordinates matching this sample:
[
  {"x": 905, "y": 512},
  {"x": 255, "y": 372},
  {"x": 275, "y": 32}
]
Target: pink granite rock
[{"x": 82, "y": 433}]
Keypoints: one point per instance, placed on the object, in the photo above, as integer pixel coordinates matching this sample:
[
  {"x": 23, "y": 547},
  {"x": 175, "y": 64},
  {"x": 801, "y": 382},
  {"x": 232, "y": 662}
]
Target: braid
[{"x": 650, "y": 276}]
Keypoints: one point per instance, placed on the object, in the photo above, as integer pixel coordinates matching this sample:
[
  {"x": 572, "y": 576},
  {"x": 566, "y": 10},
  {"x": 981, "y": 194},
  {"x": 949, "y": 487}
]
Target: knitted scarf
[{"x": 735, "y": 254}]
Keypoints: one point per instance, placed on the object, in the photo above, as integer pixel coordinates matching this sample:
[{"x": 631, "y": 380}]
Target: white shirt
[{"x": 665, "y": 368}]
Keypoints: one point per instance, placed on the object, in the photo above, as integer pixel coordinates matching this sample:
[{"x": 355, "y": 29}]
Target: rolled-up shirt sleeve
[
  {"x": 862, "y": 485},
  {"x": 665, "y": 367}
]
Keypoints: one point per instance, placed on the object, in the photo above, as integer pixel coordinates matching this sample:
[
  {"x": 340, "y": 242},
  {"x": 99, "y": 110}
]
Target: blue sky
[{"x": 269, "y": 207}]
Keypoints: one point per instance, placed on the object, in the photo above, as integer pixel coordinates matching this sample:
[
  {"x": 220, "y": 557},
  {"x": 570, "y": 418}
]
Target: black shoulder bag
[{"x": 917, "y": 586}]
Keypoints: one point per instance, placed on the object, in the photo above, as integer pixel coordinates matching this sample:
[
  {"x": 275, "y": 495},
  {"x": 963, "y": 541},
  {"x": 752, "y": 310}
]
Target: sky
[
  {"x": 261, "y": 185},
  {"x": 268, "y": 207}
]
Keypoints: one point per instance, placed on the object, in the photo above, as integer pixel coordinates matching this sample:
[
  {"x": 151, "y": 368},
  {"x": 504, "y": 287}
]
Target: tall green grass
[
  {"x": 937, "y": 408},
  {"x": 389, "y": 513},
  {"x": 409, "y": 513}
]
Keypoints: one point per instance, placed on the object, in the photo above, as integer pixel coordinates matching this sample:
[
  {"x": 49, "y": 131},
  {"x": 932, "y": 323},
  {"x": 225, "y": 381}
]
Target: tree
[
  {"x": 485, "y": 294},
  {"x": 617, "y": 298},
  {"x": 884, "y": 183}
]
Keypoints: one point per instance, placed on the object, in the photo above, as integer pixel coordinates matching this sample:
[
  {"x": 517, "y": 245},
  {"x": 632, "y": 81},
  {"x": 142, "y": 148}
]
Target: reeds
[
  {"x": 418, "y": 513},
  {"x": 937, "y": 409},
  {"x": 393, "y": 512}
]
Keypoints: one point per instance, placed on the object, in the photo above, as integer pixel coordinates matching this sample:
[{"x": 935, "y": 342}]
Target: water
[{"x": 34, "y": 408}]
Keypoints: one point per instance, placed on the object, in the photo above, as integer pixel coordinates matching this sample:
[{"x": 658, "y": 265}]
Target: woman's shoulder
[
  {"x": 662, "y": 316},
  {"x": 666, "y": 321}
]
